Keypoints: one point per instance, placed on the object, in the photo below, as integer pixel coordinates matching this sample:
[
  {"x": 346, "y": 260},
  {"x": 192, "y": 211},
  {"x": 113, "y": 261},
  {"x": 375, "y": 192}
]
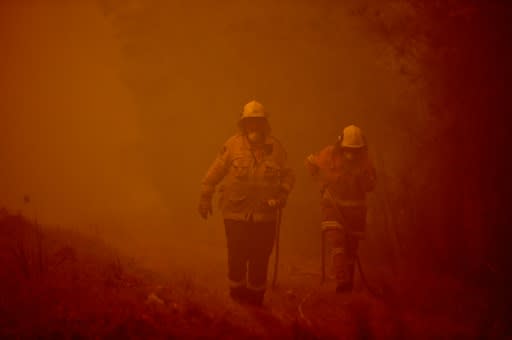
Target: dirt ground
[{"x": 60, "y": 283}]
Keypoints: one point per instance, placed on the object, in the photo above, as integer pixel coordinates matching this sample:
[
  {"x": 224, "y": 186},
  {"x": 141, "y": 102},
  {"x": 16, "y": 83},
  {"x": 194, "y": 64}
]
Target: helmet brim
[
  {"x": 243, "y": 119},
  {"x": 355, "y": 147}
]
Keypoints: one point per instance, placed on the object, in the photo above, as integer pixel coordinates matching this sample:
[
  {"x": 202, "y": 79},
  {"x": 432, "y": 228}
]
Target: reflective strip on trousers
[
  {"x": 337, "y": 251},
  {"x": 351, "y": 203},
  {"x": 257, "y": 288},
  {"x": 331, "y": 225},
  {"x": 236, "y": 284}
]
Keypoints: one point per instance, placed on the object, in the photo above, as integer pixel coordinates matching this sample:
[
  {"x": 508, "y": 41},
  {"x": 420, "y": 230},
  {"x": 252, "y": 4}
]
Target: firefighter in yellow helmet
[
  {"x": 256, "y": 181},
  {"x": 346, "y": 175}
]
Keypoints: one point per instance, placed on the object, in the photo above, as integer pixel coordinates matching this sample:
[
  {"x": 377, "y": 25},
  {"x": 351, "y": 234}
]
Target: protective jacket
[
  {"x": 347, "y": 183},
  {"x": 251, "y": 175}
]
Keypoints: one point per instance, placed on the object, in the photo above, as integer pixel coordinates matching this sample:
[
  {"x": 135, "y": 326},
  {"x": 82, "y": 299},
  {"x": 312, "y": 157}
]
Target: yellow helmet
[
  {"x": 253, "y": 109},
  {"x": 352, "y": 138}
]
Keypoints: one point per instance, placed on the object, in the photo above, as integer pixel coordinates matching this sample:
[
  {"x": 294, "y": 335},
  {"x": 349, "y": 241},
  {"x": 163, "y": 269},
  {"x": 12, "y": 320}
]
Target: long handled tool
[
  {"x": 276, "y": 256},
  {"x": 323, "y": 257}
]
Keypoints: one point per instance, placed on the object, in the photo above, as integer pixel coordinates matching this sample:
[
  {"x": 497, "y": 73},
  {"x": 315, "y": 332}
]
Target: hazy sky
[{"x": 112, "y": 111}]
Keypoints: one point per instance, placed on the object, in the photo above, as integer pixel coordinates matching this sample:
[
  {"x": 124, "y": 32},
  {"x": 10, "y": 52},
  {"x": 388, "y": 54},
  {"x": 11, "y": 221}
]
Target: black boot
[
  {"x": 239, "y": 294},
  {"x": 344, "y": 287},
  {"x": 255, "y": 298}
]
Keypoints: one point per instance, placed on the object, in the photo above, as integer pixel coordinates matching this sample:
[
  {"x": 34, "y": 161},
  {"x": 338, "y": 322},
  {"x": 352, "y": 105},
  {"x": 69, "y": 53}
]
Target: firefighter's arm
[
  {"x": 311, "y": 164},
  {"x": 215, "y": 174}
]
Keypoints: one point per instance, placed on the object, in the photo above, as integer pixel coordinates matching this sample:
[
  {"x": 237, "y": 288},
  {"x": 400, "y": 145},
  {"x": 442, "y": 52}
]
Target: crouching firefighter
[
  {"x": 256, "y": 181},
  {"x": 346, "y": 175}
]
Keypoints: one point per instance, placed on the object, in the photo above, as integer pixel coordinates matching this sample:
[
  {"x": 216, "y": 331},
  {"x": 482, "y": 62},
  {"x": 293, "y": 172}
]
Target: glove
[
  {"x": 205, "y": 208},
  {"x": 279, "y": 200},
  {"x": 274, "y": 203}
]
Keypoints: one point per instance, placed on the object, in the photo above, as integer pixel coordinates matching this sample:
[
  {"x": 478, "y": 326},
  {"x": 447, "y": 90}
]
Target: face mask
[{"x": 256, "y": 137}]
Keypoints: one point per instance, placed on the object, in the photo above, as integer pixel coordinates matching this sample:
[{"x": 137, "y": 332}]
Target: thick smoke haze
[
  {"x": 70, "y": 127},
  {"x": 113, "y": 111}
]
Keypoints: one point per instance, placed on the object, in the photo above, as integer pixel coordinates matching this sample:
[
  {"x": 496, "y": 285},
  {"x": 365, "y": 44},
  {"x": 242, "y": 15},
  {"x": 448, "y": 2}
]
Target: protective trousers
[
  {"x": 249, "y": 247},
  {"x": 343, "y": 228},
  {"x": 341, "y": 250}
]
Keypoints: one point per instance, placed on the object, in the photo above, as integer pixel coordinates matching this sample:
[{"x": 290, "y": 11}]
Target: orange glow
[{"x": 112, "y": 111}]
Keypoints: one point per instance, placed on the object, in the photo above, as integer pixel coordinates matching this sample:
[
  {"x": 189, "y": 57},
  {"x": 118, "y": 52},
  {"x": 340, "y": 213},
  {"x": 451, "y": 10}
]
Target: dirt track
[{"x": 302, "y": 307}]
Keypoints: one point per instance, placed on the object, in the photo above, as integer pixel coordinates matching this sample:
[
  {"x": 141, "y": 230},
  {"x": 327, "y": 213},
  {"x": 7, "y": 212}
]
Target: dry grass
[{"x": 59, "y": 283}]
